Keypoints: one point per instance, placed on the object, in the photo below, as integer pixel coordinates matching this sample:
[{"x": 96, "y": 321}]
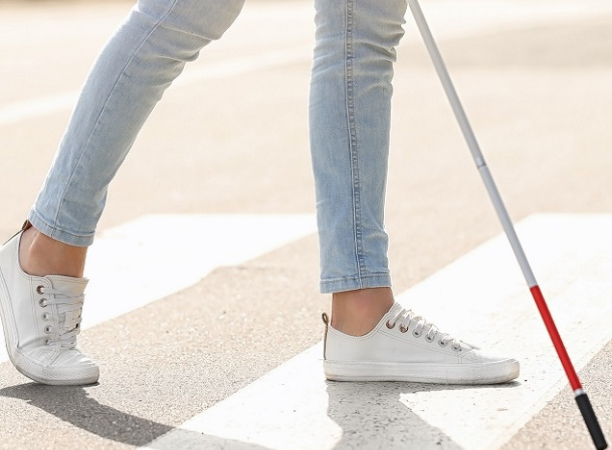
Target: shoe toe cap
[
  {"x": 69, "y": 367},
  {"x": 72, "y": 367}
]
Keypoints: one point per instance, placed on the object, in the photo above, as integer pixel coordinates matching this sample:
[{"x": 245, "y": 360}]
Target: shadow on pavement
[
  {"x": 73, "y": 405},
  {"x": 370, "y": 415},
  {"x": 373, "y": 417}
]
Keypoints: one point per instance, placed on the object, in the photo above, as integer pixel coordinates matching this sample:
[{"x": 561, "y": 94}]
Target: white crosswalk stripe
[{"x": 482, "y": 296}]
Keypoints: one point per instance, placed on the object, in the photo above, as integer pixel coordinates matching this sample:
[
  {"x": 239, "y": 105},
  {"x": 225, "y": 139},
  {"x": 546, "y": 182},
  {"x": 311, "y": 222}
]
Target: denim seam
[
  {"x": 353, "y": 141},
  {"x": 382, "y": 279},
  {"x": 103, "y": 109},
  {"x": 39, "y": 219},
  {"x": 365, "y": 277}
]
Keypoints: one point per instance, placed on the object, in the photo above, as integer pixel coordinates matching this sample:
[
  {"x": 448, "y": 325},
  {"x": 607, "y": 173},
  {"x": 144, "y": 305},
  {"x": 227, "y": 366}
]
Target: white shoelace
[
  {"x": 69, "y": 308},
  {"x": 419, "y": 325}
]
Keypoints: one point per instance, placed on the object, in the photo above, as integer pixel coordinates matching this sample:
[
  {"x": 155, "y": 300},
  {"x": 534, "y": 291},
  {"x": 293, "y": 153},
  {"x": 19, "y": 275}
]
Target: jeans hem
[
  {"x": 60, "y": 235},
  {"x": 355, "y": 283}
]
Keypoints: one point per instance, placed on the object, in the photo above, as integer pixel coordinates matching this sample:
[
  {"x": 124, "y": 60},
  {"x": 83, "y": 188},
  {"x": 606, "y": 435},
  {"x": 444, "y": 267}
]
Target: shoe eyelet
[
  {"x": 46, "y": 317},
  {"x": 416, "y": 334},
  {"x": 48, "y": 329},
  {"x": 403, "y": 329},
  {"x": 390, "y": 326},
  {"x": 48, "y": 342},
  {"x": 429, "y": 339},
  {"x": 457, "y": 348},
  {"x": 39, "y": 289},
  {"x": 43, "y": 302},
  {"x": 442, "y": 343}
]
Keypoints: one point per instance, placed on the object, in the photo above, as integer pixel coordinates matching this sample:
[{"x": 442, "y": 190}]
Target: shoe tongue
[{"x": 69, "y": 285}]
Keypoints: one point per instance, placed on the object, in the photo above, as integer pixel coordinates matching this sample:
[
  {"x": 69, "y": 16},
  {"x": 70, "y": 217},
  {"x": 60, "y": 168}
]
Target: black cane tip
[{"x": 590, "y": 419}]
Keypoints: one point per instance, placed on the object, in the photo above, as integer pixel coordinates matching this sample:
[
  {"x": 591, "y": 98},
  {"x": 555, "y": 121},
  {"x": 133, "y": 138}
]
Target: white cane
[{"x": 581, "y": 398}]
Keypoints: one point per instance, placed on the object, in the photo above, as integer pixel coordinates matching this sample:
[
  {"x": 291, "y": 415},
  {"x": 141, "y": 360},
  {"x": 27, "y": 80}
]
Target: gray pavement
[{"x": 538, "y": 96}]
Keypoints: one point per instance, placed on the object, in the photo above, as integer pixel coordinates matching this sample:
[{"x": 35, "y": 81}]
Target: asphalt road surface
[{"x": 204, "y": 275}]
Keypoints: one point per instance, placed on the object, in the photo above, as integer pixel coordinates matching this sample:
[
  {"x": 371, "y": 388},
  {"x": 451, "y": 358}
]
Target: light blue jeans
[{"x": 350, "y": 106}]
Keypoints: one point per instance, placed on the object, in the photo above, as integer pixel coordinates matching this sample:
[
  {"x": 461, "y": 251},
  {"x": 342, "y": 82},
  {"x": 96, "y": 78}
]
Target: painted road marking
[
  {"x": 31, "y": 109},
  {"x": 449, "y": 19},
  {"x": 154, "y": 256},
  {"x": 481, "y": 295}
]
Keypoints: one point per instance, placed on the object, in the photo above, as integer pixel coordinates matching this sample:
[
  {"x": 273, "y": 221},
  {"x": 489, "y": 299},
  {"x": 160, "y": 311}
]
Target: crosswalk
[{"x": 482, "y": 297}]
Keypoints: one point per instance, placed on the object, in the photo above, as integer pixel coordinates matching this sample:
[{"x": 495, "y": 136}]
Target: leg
[
  {"x": 41, "y": 255},
  {"x": 143, "y": 58},
  {"x": 357, "y": 312},
  {"x": 350, "y": 107},
  {"x": 370, "y": 337},
  {"x": 41, "y": 306},
  {"x": 148, "y": 52},
  {"x": 350, "y": 126}
]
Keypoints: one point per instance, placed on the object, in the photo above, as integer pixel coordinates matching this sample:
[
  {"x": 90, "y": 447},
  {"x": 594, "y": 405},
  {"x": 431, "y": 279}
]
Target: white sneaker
[
  {"x": 41, "y": 317},
  {"x": 405, "y": 347}
]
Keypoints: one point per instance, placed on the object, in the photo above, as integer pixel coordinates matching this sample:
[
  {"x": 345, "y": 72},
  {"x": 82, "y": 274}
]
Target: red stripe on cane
[{"x": 556, "y": 339}]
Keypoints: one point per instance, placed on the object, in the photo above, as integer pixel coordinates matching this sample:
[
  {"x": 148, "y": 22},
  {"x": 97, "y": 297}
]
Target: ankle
[
  {"x": 40, "y": 255},
  {"x": 357, "y": 312}
]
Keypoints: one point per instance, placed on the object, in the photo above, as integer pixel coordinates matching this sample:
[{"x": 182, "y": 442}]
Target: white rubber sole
[
  {"x": 58, "y": 376},
  {"x": 496, "y": 372}
]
